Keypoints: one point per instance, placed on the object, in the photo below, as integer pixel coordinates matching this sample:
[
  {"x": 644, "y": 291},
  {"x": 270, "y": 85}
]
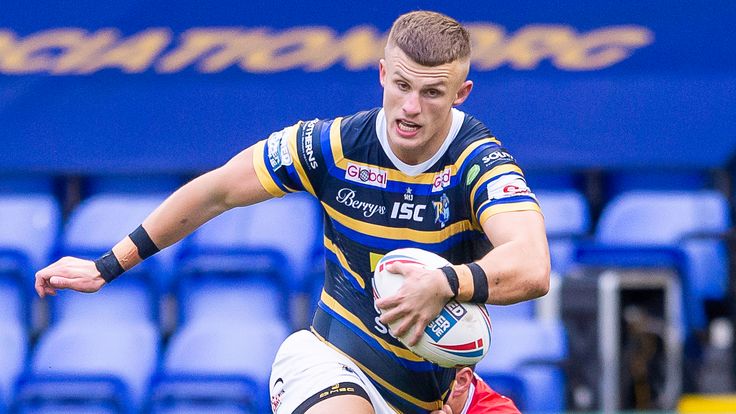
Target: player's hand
[
  {"x": 419, "y": 300},
  {"x": 68, "y": 273},
  {"x": 445, "y": 410}
]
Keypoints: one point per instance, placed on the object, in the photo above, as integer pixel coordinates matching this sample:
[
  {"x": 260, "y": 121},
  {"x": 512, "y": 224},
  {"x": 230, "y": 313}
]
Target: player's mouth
[{"x": 406, "y": 129}]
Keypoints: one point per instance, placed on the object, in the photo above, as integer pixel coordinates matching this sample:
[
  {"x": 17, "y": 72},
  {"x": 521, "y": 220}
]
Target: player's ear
[
  {"x": 463, "y": 92},
  {"x": 382, "y": 72},
  {"x": 463, "y": 379}
]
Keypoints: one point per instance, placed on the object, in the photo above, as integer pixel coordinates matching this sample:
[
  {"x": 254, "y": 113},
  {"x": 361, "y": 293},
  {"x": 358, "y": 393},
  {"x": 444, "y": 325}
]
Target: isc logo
[{"x": 407, "y": 211}]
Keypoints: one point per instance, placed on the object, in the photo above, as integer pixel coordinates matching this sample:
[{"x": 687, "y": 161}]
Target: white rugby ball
[{"x": 460, "y": 335}]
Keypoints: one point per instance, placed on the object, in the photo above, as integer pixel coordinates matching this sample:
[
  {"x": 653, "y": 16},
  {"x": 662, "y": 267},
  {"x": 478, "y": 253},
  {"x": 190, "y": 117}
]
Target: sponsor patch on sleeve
[
  {"x": 508, "y": 186},
  {"x": 278, "y": 151}
]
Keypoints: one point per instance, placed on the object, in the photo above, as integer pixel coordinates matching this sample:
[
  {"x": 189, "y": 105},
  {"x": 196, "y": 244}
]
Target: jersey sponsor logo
[
  {"x": 347, "y": 196},
  {"x": 278, "y": 152},
  {"x": 307, "y": 144},
  {"x": 366, "y": 175},
  {"x": 497, "y": 156},
  {"x": 472, "y": 174},
  {"x": 441, "y": 180},
  {"x": 408, "y": 211},
  {"x": 442, "y": 210},
  {"x": 508, "y": 186}
]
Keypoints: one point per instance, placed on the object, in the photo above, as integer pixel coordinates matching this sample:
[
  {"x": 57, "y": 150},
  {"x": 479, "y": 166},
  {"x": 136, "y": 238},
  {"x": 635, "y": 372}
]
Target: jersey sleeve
[
  {"x": 496, "y": 184},
  {"x": 288, "y": 160}
]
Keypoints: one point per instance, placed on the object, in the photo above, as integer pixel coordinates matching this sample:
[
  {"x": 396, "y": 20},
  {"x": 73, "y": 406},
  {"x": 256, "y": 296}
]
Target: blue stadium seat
[
  {"x": 14, "y": 346},
  {"x": 223, "y": 360},
  {"x": 29, "y": 228},
  {"x": 683, "y": 229},
  {"x": 525, "y": 361},
  {"x": 288, "y": 226},
  {"x": 94, "y": 227},
  {"x": 207, "y": 298},
  {"x": 567, "y": 220},
  {"x": 91, "y": 365},
  {"x": 268, "y": 246}
]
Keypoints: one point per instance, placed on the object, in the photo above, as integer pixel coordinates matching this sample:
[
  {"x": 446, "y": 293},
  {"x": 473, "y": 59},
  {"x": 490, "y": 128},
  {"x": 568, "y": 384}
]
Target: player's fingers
[
  {"x": 58, "y": 282},
  {"x": 405, "y": 326},
  {"x": 400, "y": 268},
  {"x": 39, "y": 284},
  {"x": 388, "y": 303}
]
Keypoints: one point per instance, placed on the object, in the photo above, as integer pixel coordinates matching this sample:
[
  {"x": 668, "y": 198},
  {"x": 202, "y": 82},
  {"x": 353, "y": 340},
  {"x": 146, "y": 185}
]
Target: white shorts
[{"x": 304, "y": 366}]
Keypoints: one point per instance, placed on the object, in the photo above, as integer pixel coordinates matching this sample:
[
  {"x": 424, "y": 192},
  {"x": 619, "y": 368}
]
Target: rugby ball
[{"x": 460, "y": 335}]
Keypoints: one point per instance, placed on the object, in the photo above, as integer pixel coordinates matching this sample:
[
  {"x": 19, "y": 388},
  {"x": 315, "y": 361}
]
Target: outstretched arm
[
  {"x": 516, "y": 269},
  {"x": 234, "y": 184}
]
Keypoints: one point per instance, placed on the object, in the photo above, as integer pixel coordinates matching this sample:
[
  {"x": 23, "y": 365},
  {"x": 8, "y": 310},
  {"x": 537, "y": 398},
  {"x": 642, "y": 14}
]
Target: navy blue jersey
[{"x": 374, "y": 203}]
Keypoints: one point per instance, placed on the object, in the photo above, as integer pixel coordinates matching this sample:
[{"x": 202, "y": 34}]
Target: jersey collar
[{"x": 412, "y": 170}]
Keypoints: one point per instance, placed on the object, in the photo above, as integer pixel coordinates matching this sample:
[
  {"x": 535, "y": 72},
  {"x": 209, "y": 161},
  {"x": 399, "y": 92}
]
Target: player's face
[{"x": 417, "y": 100}]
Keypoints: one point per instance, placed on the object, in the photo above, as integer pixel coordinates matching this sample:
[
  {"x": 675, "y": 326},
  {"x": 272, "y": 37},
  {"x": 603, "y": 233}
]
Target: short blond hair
[{"x": 430, "y": 38}]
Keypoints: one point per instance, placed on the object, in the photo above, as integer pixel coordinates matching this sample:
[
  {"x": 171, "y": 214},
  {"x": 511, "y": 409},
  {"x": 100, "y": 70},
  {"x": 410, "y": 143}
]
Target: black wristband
[
  {"x": 480, "y": 283},
  {"x": 141, "y": 240},
  {"x": 108, "y": 266},
  {"x": 452, "y": 279}
]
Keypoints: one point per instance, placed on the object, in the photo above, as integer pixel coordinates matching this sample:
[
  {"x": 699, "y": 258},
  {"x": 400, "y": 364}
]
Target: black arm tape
[
  {"x": 108, "y": 266},
  {"x": 452, "y": 279},
  {"x": 141, "y": 239},
  {"x": 480, "y": 283}
]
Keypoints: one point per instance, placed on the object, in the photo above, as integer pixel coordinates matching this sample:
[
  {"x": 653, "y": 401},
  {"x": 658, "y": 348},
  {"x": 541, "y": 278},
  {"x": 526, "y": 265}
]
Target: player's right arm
[{"x": 231, "y": 185}]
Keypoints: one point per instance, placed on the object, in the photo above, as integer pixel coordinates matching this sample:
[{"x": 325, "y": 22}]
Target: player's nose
[{"x": 412, "y": 106}]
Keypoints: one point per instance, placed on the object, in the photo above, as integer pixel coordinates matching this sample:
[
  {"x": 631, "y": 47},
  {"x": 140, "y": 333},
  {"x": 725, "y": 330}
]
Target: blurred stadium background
[{"x": 622, "y": 114}]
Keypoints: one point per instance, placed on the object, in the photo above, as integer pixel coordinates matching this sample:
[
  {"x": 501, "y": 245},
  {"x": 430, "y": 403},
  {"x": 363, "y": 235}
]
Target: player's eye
[
  {"x": 433, "y": 93},
  {"x": 403, "y": 86}
]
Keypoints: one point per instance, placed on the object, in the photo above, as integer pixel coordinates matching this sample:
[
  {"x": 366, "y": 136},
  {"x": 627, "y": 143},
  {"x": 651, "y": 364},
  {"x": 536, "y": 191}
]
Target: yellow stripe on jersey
[
  {"x": 333, "y": 304},
  {"x": 336, "y": 141},
  {"x": 430, "y": 406},
  {"x": 262, "y": 173},
  {"x": 343, "y": 261},
  {"x": 470, "y": 148},
  {"x": 395, "y": 233},
  {"x": 291, "y": 142},
  {"x": 502, "y": 208},
  {"x": 501, "y": 169}
]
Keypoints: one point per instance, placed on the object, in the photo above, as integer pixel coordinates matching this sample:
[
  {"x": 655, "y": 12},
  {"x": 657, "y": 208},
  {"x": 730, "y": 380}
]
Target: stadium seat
[
  {"x": 96, "y": 225},
  {"x": 268, "y": 246},
  {"x": 288, "y": 226},
  {"x": 14, "y": 345},
  {"x": 207, "y": 298},
  {"x": 567, "y": 220},
  {"x": 681, "y": 229},
  {"x": 29, "y": 228},
  {"x": 526, "y": 361},
  {"x": 91, "y": 366},
  {"x": 223, "y": 361}
]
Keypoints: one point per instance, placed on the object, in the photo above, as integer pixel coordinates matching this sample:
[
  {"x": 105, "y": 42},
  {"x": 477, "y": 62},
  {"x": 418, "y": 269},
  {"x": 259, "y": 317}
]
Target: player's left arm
[
  {"x": 518, "y": 266},
  {"x": 516, "y": 269}
]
